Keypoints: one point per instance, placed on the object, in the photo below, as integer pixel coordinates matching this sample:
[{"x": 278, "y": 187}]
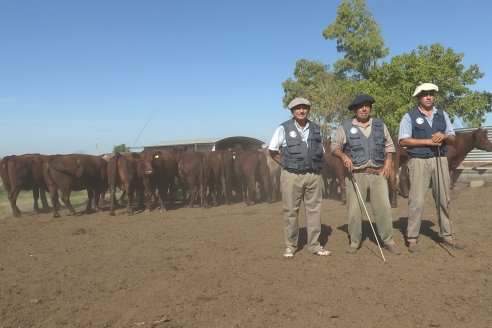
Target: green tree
[
  {"x": 357, "y": 35},
  {"x": 393, "y": 83},
  {"x": 122, "y": 148},
  {"x": 327, "y": 91}
]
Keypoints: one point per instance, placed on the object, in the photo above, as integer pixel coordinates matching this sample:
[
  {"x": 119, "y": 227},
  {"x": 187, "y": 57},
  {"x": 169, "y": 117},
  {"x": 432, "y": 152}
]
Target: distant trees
[
  {"x": 122, "y": 148},
  {"x": 362, "y": 70}
]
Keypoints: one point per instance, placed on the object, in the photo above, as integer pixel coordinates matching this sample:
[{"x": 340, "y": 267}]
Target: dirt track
[{"x": 222, "y": 267}]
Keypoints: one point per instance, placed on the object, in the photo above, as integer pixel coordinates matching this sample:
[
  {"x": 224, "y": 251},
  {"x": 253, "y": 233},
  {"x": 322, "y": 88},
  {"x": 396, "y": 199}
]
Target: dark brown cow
[
  {"x": 193, "y": 170},
  {"x": 333, "y": 168},
  {"x": 161, "y": 169},
  {"x": 250, "y": 166},
  {"x": 275, "y": 169},
  {"x": 75, "y": 172},
  {"x": 125, "y": 171},
  {"x": 457, "y": 151},
  {"x": 220, "y": 171},
  {"x": 24, "y": 172}
]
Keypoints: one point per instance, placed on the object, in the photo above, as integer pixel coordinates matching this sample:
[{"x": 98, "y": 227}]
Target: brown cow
[
  {"x": 75, "y": 172},
  {"x": 220, "y": 175},
  {"x": 333, "y": 168},
  {"x": 24, "y": 172},
  {"x": 193, "y": 170},
  {"x": 125, "y": 171},
  {"x": 161, "y": 169},
  {"x": 457, "y": 151},
  {"x": 275, "y": 169},
  {"x": 250, "y": 166}
]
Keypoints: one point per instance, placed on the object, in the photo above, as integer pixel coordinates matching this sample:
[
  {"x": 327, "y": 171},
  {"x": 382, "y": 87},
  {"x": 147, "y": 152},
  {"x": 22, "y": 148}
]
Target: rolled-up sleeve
[
  {"x": 405, "y": 128},
  {"x": 339, "y": 140}
]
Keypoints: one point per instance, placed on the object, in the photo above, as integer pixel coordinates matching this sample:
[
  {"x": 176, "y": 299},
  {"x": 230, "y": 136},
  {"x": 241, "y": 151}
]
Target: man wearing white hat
[
  {"x": 425, "y": 130},
  {"x": 297, "y": 145}
]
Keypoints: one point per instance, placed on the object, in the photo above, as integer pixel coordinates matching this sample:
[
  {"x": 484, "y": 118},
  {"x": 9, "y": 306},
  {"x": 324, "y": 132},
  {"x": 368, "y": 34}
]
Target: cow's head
[
  {"x": 148, "y": 158},
  {"x": 482, "y": 142}
]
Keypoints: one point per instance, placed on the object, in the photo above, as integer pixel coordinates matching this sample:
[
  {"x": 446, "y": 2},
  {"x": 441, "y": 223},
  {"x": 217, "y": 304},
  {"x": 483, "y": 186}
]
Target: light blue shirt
[{"x": 406, "y": 124}]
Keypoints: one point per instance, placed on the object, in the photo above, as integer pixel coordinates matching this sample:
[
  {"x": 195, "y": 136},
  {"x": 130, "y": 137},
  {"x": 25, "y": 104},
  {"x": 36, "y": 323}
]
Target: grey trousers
[
  {"x": 380, "y": 204},
  {"x": 421, "y": 173},
  {"x": 296, "y": 187}
]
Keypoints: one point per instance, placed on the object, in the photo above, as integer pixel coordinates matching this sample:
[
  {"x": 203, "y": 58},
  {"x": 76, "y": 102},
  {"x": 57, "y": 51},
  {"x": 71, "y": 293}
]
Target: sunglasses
[{"x": 428, "y": 93}]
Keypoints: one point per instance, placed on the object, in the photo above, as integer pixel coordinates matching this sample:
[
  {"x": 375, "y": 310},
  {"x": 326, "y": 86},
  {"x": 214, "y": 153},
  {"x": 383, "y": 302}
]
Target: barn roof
[{"x": 219, "y": 143}]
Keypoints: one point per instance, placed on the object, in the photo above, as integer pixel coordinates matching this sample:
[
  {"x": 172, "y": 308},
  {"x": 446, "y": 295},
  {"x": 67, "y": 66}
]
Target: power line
[{"x": 144, "y": 127}]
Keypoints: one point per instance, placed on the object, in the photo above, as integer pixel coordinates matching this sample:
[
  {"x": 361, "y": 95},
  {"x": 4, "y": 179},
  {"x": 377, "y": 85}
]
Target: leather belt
[
  {"x": 304, "y": 171},
  {"x": 369, "y": 170}
]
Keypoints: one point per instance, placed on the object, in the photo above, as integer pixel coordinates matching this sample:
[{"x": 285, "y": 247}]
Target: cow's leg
[
  {"x": 65, "y": 196},
  {"x": 250, "y": 189},
  {"x": 55, "y": 202},
  {"x": 44, "y": 201},
  {"x": 35, "y": 196},
  {"x": 112, "y": 200},
  {"x": 343, "y": 189},
  {"x": 90, "y": 195},
  {"x": 392, "y": 184},
  {"x": 14, "y": 193}
]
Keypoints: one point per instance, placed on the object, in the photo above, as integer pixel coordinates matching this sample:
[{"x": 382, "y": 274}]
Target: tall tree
[
  {"x": 393, "y": 83},
  {"x": 359, "y": 37},
  {"x": 327, "y": 92}
]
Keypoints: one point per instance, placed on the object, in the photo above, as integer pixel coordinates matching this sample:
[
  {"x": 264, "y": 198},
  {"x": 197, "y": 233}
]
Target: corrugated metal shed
[{"x": 210, "y": 143}]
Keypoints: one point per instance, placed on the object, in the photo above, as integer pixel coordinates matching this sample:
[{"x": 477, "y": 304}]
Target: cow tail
[{"x": 4, "y": 173}]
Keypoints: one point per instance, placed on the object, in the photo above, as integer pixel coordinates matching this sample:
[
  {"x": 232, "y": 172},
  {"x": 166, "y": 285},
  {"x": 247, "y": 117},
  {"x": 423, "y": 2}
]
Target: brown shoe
[
  {"x": 351, "y": 250},
  {"x": 413, "y": 247}
]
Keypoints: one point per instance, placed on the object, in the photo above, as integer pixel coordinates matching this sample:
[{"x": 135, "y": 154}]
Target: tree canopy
[
  {"x": 392, "y": 83},
  {"x": 122, "y": 148}
]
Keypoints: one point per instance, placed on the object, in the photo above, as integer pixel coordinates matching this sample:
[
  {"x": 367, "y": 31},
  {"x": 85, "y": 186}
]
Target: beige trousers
[{"x": 296, "y": 187}]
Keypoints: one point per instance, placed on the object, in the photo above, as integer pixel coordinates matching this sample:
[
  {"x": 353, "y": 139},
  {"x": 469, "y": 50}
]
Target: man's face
[
  {"x": 301, "y": 112},
  {"x": 426, "y": 99},
  {"x": 363, "y": 112}
]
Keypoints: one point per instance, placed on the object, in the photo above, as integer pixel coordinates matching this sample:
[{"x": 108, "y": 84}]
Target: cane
[
  {"x": 367, "y": 213},
  {"x": 439, "y": 172}
]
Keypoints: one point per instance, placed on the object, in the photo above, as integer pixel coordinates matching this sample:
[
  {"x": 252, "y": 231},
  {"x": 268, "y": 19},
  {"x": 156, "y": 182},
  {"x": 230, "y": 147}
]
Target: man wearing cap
[
  {"x": 425, "y": 130},
  {"x": 366, "y": 149},
  {"x": 297, "y": 145}
]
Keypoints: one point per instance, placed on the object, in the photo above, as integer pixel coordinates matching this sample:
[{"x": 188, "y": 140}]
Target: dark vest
[
  {"x": 425, "y": 131},
  {"x": 298, "y": 156},
  {"x": 362, "y": 149}
]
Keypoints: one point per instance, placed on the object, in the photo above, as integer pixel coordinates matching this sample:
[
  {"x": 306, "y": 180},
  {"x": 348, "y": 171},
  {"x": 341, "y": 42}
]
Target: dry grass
[{"x": 25, "y": 201}]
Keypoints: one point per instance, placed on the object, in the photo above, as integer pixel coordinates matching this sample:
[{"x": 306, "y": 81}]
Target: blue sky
[{"x": 86, "y": 75}]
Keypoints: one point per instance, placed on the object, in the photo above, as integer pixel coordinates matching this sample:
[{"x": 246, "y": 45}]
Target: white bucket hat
[{"x": 425, "y": 87}]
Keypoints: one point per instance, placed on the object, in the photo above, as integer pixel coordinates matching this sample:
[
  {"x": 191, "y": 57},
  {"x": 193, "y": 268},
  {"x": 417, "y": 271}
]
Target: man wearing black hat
[
  {"x": 297, "y": 145},
  {"x": 425, "y": 130},
  {"x": 365, "y": 146}
]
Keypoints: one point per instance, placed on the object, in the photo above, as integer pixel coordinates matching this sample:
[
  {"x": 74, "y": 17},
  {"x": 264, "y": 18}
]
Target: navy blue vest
[
  {"x": 362, "y": 149},
  {"x": 299, "y": 156},
  {"x": 422, "y": 130}
]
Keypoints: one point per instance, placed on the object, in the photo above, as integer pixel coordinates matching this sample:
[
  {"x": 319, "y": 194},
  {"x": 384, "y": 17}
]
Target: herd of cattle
[{"x": 207, "y": 178}]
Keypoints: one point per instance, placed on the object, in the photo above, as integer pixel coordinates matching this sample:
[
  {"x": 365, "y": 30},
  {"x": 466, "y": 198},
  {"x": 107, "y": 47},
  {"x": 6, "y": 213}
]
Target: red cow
[
  {"x": 160, "y": 169},
  {"x": 125, "y": 171},
  {"x": 193, "y": 171},
  {"x": 333, "y": 168},
  {"x": 24, "y": 172},
  {"x": 250, "y": 166},
  {"x": 75, "y": 172},
  {"x": 275, "y": 170}
]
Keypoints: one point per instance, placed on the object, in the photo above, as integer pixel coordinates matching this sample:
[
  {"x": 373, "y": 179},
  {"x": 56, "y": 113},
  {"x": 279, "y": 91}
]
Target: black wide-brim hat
[{"x": 361, "y": 99}]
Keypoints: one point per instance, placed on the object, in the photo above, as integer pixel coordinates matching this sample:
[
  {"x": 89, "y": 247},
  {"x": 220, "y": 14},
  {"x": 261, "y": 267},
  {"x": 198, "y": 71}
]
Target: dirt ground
[{"x": 223, "y": 267}]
